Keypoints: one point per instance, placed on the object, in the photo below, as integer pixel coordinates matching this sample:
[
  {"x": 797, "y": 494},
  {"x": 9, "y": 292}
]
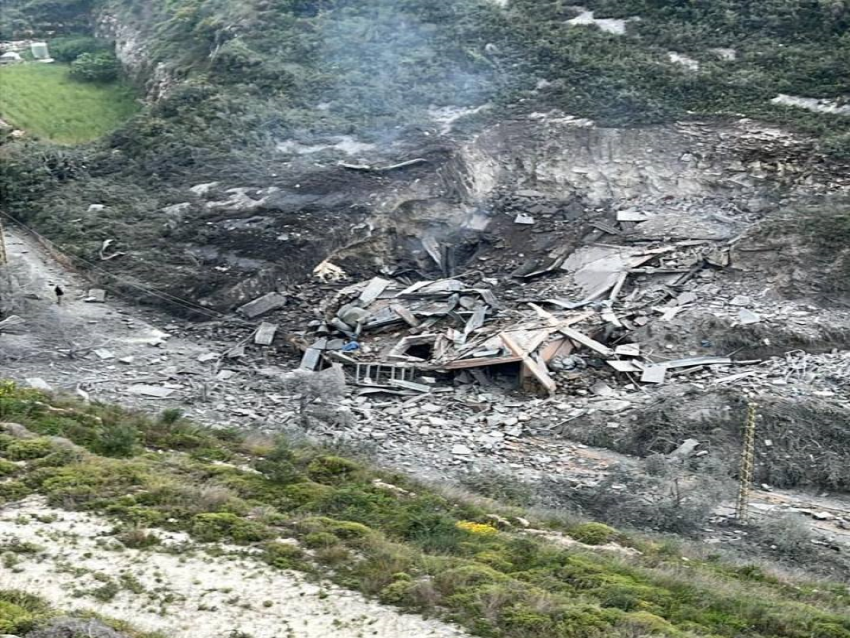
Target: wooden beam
[
  {"x": 461, "y": 364},
  {"x": 586, "y": 341},
  {"x": 538, "y": 370}
]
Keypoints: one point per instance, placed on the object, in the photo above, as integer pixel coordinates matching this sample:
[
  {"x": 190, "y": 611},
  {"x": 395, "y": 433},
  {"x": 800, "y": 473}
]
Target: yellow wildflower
[{"x": 479, "y": 529}]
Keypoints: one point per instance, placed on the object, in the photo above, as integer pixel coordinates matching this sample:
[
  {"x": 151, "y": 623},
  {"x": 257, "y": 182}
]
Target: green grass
[
  {"x": 409, "y": 546},
  {"x": 45, "y": 102}
]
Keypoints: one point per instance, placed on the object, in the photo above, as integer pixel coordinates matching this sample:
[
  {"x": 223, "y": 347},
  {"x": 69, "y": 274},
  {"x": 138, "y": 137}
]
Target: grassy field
[
  {"x": 469, "y": 561},
  {"x": 44, "y": 101}
]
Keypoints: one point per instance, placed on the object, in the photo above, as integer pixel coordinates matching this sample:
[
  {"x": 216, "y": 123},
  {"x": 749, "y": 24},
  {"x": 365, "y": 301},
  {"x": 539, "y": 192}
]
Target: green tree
[{"x": 95, "y": 67}]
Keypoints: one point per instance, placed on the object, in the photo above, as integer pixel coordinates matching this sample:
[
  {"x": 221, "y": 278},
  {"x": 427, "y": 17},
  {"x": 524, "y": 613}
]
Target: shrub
[
  {"x": 96, "y": 67},
  {"x": 399, "y": 592},
  {"x": 343, "y": 530},
  {"x": 278, "y": 465},
  {"x": 20, "y": 612},
  {"x": 7, "y": 468},
  {"x": 789, "y": 536},
  {"x": 593, "y": 533},
  {"x": 450, "y": 580},
  {"x": 320, "y": 539},
  {"x": 118, "y": 440},
  {"x": 170, "y": 416},
  {"x": 282, "y": 555},
  {"x": 332, "y": 470},
  {"x": 307, "y": 492},
  {"x": 28, "y": 449},
  {"x": 212, "y": 527},
  {"x": 5, "y": 440},
  {"x": 498, "y": 486},
  {"x": 13, "y": 491},
  {"x": 70, "y": 48},
  {"x": 138, "y": 538},
  {"x": 14, "y": 618}
]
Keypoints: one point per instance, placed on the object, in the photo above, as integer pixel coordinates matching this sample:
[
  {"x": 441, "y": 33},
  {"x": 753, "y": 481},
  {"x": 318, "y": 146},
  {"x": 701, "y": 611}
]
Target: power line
[{"x": 161, "y": 295}]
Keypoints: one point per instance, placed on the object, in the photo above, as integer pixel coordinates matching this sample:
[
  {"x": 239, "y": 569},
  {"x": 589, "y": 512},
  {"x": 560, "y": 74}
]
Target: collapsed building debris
[{"x": 397, "y": 331}]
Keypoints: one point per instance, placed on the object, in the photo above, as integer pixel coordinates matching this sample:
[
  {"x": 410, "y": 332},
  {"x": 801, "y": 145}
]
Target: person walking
[{"x": 59, "y": 294}]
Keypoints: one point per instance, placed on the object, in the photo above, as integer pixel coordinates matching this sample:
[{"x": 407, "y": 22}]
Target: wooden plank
[
  {"x": 697, "y": 361},
  {"x": 586, "y": 341},
  {"x": 556, "y": 348},
  {"x": 538, "y": 370},
  {"x": 461, "y": 364},
  {"x": 265, "y": 334}
]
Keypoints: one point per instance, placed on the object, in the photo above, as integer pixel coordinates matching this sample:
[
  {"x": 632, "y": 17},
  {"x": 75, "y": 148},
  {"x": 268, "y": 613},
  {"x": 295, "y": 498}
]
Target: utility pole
[{"x": 745, "y": 473}]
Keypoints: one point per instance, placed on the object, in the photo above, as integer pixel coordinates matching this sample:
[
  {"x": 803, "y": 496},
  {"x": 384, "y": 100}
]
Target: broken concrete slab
[
  {"x": 95, "y": 295},
  {"x": 155, "y": 391},
  {"x": 103, "y": 354},
  {"x": 409, "y": 318},
  {"x": 265, "y": 334},
  {"x": 623, "y": 366},
  {"x": 653, "y": 374},
  {"x": 686, "y": 297},
  {"x": 410, "y": 385},
  {"x": 631, "y": 216},
  {"x": 524, "y": 220},
  {"x": 748, "y": 317},
  {"x": 37, "y": 383},
  {"x": 310, "y": 360},
  {"x": 686, "y": 449},
  {"x": 373, "y": 290},
  {"x": 628, "y": 350},
  {"x": 602, "y": 389},
  {"x": 262, "y": 305}
]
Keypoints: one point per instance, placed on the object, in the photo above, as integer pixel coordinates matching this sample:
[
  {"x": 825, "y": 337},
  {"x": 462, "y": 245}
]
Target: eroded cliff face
[
  {"x": 696, "y": 179},
  {"x": 133, "y": 48}
]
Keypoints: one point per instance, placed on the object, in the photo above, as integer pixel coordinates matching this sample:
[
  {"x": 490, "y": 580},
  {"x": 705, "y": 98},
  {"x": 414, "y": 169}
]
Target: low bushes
[
  {"x": 593, "y": 533},
  {"x": 409, "y": 546}
]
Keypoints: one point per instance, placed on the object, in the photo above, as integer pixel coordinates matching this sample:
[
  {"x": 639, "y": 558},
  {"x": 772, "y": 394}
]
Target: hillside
[
  {"x": 427, "y": 319},
  {"x": 495, "y": 571}
]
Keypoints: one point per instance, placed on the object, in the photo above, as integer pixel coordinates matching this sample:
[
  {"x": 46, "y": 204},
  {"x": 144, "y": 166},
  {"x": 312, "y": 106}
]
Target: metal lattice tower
[
  {"x": 3, "y": 256},
  {"x": 745, "y": 473}
]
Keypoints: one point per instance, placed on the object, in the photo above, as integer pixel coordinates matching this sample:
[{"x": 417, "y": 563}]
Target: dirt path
[{"x": 105, "y": 350}]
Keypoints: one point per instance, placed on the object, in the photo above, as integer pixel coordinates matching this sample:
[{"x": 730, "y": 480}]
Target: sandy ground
[{"x": 187, "y": 593}]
